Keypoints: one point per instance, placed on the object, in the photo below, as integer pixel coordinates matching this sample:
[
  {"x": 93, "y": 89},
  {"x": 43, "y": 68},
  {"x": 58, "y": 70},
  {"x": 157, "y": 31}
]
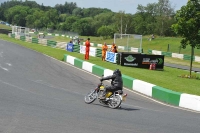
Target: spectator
[
  {"x": 113, "y": 47},
  {"x": 152, "y": 36},
  {"x": 87, "y": 49},
  {"x": 79, "y": 41},
  {"x": 70, "y": 46},
  {"x": 43, "y": 35},
  {"x": 104, "y": 49}
]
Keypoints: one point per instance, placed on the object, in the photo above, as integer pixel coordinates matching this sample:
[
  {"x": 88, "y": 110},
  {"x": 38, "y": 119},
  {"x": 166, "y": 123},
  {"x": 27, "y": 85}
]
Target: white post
[
  {"x": 127, "y": 42},
  {"x": 141, "y": 44}
]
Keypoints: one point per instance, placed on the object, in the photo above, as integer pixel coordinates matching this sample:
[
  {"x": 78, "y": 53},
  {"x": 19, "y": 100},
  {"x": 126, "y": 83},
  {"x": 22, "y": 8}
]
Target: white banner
[{"x": 91, "y": 53}]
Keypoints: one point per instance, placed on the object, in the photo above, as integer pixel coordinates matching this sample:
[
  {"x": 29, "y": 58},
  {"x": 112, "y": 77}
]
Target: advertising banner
[
  {"x": 141, "y": 60},
  {"x": 70, "y": 47},
  {"x": 91, "y": 53},
  {"x": 111, "y": 57}
]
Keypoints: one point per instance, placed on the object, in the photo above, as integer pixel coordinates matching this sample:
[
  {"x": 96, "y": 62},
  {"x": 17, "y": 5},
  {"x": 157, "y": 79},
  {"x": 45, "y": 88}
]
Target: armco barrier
[
  {"x": 149, "y": 51},
  {"x": 13, "y": 35},
  {"x": 174, "y": 55},
  {"x": 188, "y": 57},
  {"x": 168, "y": 54},
  {"x": 34, "y": 40},
  {"x": 61, "y": 45},
  {"x": 28, "y": 39},
  {"x": 76, "y": 48},
  {"x": 99, "y": 52},
  {"x": 42, "y": 41},
  {"x": 23, "y": 38},
  {"x": 17, "y": 37},
  {"x": 197, "y": 58},
  {"x": 51, "y": 43},
  {"x": 159, "y": 93}
]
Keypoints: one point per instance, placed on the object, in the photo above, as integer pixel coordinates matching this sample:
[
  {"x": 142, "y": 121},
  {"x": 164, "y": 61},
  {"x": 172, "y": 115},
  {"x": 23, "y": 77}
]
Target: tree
[
  {"x": 17, "y": 15},
  {"x": 106, "y": 32},
  {"x": 187, "y": 26},
  {"x": 67, "y": 25},
  {"x": 77, "y": 12},
  {"x": 83, "y": 27},
  {"x": 164, "y": 11}
]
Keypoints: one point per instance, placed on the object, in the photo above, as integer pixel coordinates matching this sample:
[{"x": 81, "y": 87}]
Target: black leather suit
[{"x": 116, "y": 83}]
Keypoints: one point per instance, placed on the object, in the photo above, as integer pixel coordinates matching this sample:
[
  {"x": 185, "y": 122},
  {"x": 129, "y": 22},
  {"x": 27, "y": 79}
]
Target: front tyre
[
  {"x": 115, "y": 101},
  {"x": 90, "y": 97}
]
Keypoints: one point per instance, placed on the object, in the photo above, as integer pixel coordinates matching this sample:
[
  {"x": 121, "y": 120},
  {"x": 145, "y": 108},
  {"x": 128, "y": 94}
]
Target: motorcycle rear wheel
[
  {"x": 115, "y": 102},
  {"x": 90, "y": 97}
]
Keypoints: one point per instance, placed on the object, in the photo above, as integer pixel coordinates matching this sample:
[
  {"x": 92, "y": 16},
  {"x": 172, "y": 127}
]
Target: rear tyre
[
  {"x": 90, "y": 97},
  {"x": 115, "y": 102}
]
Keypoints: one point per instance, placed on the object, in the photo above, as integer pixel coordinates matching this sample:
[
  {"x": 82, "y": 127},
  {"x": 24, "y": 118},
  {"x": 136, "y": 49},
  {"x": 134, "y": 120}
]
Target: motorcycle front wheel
[
  {"x": 115, "y": 101},
  {"x": 90, "y": 97}
]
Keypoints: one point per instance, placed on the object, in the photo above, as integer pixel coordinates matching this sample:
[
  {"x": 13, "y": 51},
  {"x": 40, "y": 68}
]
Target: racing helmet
[{"x": 117, "y": 72}]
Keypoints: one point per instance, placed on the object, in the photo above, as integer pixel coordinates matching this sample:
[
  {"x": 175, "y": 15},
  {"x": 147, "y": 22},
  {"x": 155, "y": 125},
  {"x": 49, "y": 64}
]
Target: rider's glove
[{"x": 101, "y": 79}]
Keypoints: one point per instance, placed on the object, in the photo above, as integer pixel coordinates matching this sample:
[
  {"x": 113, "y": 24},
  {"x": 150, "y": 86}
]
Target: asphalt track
[{"x": 39, "y": 94}]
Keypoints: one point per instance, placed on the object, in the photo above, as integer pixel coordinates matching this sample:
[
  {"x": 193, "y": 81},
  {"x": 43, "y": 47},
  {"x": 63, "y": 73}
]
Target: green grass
[
  {"x": 168, "y": 78},
  {"x": 61, "y": 39},
  {"x": 3, "y": 26}
]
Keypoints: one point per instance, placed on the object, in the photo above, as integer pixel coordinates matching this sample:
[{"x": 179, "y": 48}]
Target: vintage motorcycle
[{"x": 113, "y": 100}]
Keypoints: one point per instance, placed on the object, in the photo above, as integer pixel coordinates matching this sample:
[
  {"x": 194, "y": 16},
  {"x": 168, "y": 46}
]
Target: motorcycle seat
[{"x": 119, "y": 92}]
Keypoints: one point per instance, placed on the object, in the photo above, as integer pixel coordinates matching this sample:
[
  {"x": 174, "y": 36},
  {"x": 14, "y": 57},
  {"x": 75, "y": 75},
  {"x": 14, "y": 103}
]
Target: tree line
[{"x": 154, "y": 18}]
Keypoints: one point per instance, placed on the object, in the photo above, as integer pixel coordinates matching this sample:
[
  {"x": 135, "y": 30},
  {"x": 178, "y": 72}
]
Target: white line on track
[{"x": 3, "y": 68}]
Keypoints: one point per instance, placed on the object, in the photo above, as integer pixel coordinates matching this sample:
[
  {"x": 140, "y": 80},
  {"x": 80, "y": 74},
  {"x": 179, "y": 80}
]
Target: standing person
[
  {"x": 70, "y": 46},
  {"x": 87, "y": 49},
  {"x": 113, "y": 47},
  {"x": 104, "y": 49},
  {"x": 152, "y": 36},
  {"x": 43, "y": 35},
  {"x": 115, "y": 50},
  {"x": 79, "y": 41}
]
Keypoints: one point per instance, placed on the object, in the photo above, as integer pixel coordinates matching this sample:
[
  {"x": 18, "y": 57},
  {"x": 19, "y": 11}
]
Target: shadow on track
[{"x": 121, "y": 108}]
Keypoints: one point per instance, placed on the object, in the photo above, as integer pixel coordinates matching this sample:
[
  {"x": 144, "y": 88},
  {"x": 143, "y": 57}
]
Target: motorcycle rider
[{"x": 116, "y": 83}]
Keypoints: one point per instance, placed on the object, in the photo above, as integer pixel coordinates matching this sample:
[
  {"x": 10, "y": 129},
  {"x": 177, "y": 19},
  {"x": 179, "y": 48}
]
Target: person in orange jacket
[
  {"x": 113, "y": 47},
  {"x": 87, "y": 49},
  {"x": 115, "y": 50},
  {"x": 104, "y": 49}
]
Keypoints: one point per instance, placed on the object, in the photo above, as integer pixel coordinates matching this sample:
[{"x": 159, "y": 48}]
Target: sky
[{"x": 129, "y": 6}]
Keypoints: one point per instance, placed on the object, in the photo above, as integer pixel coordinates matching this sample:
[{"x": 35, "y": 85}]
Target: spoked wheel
[
  {"x": 90, "y": 97},
  {"x": 115, "y": 102}
]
